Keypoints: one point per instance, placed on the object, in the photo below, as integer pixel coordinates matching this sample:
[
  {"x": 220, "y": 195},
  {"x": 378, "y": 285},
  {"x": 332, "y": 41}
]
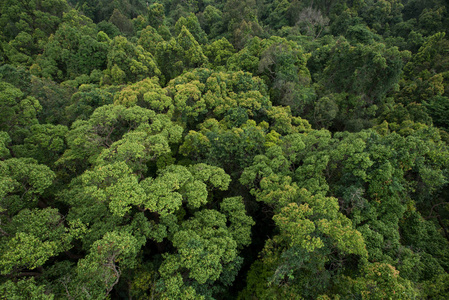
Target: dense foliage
[{"x": 235, "y": 149}]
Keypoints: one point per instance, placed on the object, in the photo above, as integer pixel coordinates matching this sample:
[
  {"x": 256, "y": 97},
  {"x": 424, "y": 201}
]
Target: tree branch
[{"x": 431, "y": 210}]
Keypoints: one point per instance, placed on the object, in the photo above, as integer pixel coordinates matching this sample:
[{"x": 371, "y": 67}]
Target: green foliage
[
  {"x": 165, "y": 150},
  {"x": 4, "y": 141},
  {"x": 168, "y": 55},
  {"x": 23, "y": 180},
  {"x": 113, "y": 133},
  {"x": 149, "y": 38},
  {"x": 205, "y": 248},
  {"x": 156, "y": 15},
  {"x": 190, "y": 51},
  {"x": 351, "y": 72},
  {"x": 35, "y": 236},
  {"x": 128, "y": 63},
  {"x": 219, "y": 52},
  {"x": 146, "y": 93},
  {"x": 380, "y": 15},
  {"x": 361, "y": 64},
  {"x": 17, "y": 76},
  {"x": 241, "y": 224},
  {"x": 100, "y": 270},
  {"x": 438, "y": 107},
  {"x": 212, "y": 20},
  {"x": 181, "y": 53},
  {"x": 203, "y": 91},
  {"x": 425, "y": 74},
  {"x": 193, "y": 26},
  {"x": 26, "y": 26},
  {"x": 53, "y": 98},
  {"x": 25, "y": 288},
  {"x": 297, "y": 255},
  {"x": 283, "y": 63},
  {"x": 45, "y": 143},
  {"x": 87, "y": 98},
  {"x": 99, "y": 10},
  {"x": 17, "y": 112},
  {"x": 375, "y": 202},
  {"x": 121, "y": 22},
  {"x": 380, "y": 281},
  {"x": 73, "y": 50},
  {"x": 215, "y": 143}
]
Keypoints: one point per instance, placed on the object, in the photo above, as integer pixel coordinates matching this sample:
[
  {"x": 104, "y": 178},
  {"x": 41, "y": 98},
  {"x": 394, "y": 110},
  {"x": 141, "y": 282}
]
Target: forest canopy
[{"x": 229, "y": 149}]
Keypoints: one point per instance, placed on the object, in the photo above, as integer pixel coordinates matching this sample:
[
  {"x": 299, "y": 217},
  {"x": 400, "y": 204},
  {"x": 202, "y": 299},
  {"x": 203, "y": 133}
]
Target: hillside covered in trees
[{"x": 227, "y": 149}]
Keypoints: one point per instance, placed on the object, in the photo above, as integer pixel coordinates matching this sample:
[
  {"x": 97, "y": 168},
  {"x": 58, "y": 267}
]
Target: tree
[
  {"x": 87, "y": 98},
  {"x": 26, "y": 25},
  {"x": 379, "y": 281},
  {"x": 32, "y": 237},
  {"x": 149, "y": 39},
  {"x": 212, "y": 20},
  {"x": 312, "y": 22},
  {"x": 156, "y": 15},
  {"x": 128, "y": 63},
  {"x": 437, "y": 108},
  {"x": 147, "y": 94},
  {"x": 372, "y": 183},
  {"x": 17, "y": 111},
  {"x": 381, "y": 15},
  {"x": 309, "y": 228},
  {"x": 100, "y": 271},
  {"x": 204, "y": 93},
  {"x": 283, "y": 64},
  {"x": 278, "y": 17},
  {"x": 23, "y": 180},
  {"x": 424, "y": 77},
  {"x": 207, "y": 248},
  {"x": 351, "y": 72},
  {"x": 190, "y": 51},
  {"x": 25, "y": 288},
  {"x": 75, "y": 49},
  {"x": 122, "y": 22},
  {"x": 219, "y": 52},
  {"x": 45, "y": 143},
  {"x": 224, "y": 149},
  {"x": 193, "y": 26},
  {"x": 106, "y": 128}
]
